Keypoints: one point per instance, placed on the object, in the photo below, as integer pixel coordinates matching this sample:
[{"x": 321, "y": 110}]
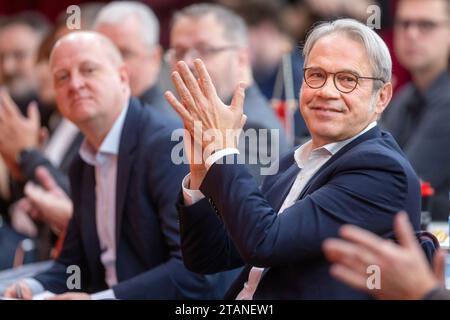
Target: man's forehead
[
  {"x": 66, "y": 55},
  {"x": 423, "y": 9},
  {"x": 204, "y": 27},
  {"x": 341, "y": 52},
  {"x": 21, "y": 28}
]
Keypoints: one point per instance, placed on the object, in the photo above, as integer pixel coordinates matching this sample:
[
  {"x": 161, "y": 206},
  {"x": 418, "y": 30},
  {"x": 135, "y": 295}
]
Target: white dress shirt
[
  {"x": 309, "y": 161},
  {"x": 105, "y": 163}
]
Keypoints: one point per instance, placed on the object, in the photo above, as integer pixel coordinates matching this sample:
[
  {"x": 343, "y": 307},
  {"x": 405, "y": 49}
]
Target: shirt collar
[
  {"x": 304, "y": 153},
  {"x": 109, "y": 146}
]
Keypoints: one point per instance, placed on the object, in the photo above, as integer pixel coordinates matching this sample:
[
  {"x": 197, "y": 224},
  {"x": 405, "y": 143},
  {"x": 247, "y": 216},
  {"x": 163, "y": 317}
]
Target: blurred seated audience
[{"x": 124, "y": 233}]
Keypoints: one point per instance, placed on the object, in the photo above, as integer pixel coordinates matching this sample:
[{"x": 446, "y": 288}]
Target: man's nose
[
  {"x": 411, "y": 31},
  {"x": 329, "y": 90},
  {"x": 76, "y": 81}
]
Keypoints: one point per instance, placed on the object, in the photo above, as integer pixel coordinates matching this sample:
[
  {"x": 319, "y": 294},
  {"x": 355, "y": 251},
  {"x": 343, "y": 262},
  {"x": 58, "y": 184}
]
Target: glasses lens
[
  {"x": 315, "y": 77},
  {"x": 345, "y": 81}
]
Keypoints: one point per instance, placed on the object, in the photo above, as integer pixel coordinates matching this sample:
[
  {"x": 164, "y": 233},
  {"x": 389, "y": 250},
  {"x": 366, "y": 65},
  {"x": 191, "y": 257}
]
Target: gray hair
[
  {"x": 378, "y": 52},
  {"x": 235, "y": 29},
  {"x": 115, "y": 12}
]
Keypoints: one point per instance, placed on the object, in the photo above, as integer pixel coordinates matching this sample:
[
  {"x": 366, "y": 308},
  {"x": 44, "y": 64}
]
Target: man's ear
[
  {"x": 156, "y": 54},
  {"x": 384, "y": 96},
  {"x": 244, "y": 56},
  {"x": 124, "y": 75}
]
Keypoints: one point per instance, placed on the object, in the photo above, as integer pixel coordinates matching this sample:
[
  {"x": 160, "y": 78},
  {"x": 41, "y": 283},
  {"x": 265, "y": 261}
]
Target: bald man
[{"x": 124, "y": 233}]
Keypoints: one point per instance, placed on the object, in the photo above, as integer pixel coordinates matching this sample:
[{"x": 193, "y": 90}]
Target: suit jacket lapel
[
  {"x": 279, "y": 191},
  {"x": 128, "y": 142},
  {"x": 372, "y": 133}
]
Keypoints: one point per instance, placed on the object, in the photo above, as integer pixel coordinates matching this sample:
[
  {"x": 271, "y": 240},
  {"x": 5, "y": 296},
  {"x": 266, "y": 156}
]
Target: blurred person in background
[
  {"x": 134, "y": 29},
  {"x": 276, "y": 60},
  {"x": 219, "y": 36},
  {"x": 20, "y": 38},
  {"x": 25, "y": 147},
  {"x": 419, "y": 116},
  {"x": 124, "y": 232}
]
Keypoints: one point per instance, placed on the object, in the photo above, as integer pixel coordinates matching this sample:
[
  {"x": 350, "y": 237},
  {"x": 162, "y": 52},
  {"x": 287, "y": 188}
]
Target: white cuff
[
  {"x": 218, "y": 155},
  {"x": 104, "y": 295},
  {"x": 190, "y": 196}
]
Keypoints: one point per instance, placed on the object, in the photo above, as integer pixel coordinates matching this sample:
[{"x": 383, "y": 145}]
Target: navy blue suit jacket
[
  {"x": 365, "y": 183},
  {"x": 148, "y": 264}
]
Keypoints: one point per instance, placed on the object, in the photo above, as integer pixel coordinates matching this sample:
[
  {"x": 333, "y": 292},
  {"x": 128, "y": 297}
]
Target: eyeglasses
[
  {"x": 176, "y": 54},
  {"x": 424, "y": 26},
  {"x": 344, "y": 81}
]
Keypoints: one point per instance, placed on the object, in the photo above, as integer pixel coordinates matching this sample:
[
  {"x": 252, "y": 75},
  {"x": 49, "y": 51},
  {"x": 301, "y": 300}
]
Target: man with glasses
[
  {"x": 350, "y": 172},
  {"x": 219, "y": 37},
  {"x": 419, "y": 116}
]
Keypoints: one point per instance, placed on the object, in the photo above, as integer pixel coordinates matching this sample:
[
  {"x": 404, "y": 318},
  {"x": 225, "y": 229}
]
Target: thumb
[
  {"x": 237, "y": 103},
  {"x": 46, "y": 179},
  {"x": 33, "y": 113}
]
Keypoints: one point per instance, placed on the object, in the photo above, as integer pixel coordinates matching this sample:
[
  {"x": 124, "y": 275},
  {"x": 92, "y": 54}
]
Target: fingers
[
  {"x": 404, "y": 231},
  {"x": 10, "y": 292},
  {"x": 179, "y": 108},
  {"x": 46, "y": 179},
  {"x": 23, "y": 204},
  {"x": 33, "y": 113},
  {"x": 190, "y": 81},
  {"x": 18, "y": 290},
  {"x": 25, "y": 291},
  {"x": 8, "y": 105},
  {"x": 349, "y": 276},
  {"x": 186, "y": 98},
  {"x": 206, "y": 84},
  {"x": 36, "y": 195},
  {"x": 439, "y": 265},
  {"x": 348, "y": 254},
  {"x": 237, "y": 103}
]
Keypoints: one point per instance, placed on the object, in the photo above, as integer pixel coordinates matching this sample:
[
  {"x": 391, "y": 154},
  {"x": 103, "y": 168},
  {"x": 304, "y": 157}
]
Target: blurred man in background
[
  {"x": 134, "y": 29},
  {"x": 219, "y": 37},
  {"x": 419, "y": 116},
  {"x": 20, "y": 37}
]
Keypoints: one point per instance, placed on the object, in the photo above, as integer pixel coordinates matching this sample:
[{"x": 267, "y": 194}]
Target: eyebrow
[{"x": 356, "y": 73}]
